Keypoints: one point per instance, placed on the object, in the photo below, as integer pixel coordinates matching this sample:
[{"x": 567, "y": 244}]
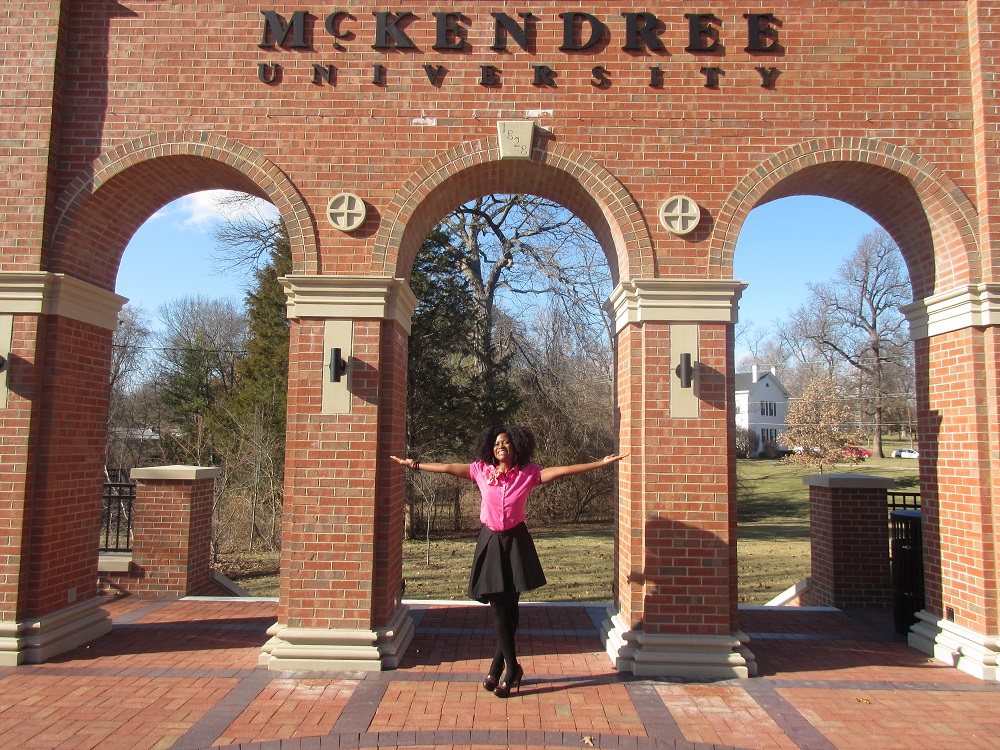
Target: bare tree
[
  {"x": 568, "y": 402},
  {"x": 250, "y": 229},
  {"x": 854, "y": 320},
  {"x": 129, "y": 356},
  {"x": 522, "y": 245},
  {"x": 200, "y": 343}
]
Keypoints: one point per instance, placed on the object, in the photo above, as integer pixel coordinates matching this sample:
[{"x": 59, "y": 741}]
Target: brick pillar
[
  {"x": 53, "y": 411},
  {"x": 849, "y": 527},
  {"x": 172, "y": 529},
  {"x": 676, "y": 608},
  {"x": 958, "y": 407},
  {"x": 340, "y": 598}
]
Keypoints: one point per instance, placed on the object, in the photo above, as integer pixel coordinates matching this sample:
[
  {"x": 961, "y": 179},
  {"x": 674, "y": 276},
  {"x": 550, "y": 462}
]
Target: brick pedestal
[
  {"x": 171, "y": 555},
  {"x": 850, "y": 541}
]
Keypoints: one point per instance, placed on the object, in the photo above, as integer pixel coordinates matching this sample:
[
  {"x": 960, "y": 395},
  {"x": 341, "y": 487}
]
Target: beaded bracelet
[{"x": 416, "y": 464}]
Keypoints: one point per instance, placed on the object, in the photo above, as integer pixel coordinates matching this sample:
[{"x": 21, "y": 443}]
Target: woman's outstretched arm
[
  {"x": 557, "y": 472},
  {"x": 456, "y": 470}
]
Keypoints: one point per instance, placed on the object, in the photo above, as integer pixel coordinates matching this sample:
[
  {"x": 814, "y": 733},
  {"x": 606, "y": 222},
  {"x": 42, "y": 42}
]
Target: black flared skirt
[{"x": 505, "y": 561}]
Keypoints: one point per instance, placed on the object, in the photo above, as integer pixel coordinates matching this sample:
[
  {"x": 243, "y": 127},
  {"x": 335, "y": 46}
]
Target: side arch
[
  {"x": 98, "y": 213},
  {"x": 569, "y": 177},
  {"x": 923, "y": 210}
]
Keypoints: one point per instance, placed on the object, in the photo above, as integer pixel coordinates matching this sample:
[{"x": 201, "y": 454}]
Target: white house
[{"x": 761, "y": 404}]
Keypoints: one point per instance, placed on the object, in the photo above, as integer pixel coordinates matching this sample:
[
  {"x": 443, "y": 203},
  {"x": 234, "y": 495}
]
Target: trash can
[{"x": 907, "y": 568}]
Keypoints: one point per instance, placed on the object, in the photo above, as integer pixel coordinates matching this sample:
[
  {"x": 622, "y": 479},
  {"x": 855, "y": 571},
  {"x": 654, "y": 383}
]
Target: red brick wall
[
  {"x": 172, "y": 531},
  {"x": 389, "y": 511},
  {"x": 371, "y": 139},
  {"x": 849, "y": 547},
  {"x": 629, "y": 581},
  {"x": 29, "y": 144},
  {"x": 329, "y": 570},
  {"x": 887, "y": 105},
  {"x": 984, "y": 43},
  {"x": 958, "y": 428},
  {"x": 676, "y": 534}
]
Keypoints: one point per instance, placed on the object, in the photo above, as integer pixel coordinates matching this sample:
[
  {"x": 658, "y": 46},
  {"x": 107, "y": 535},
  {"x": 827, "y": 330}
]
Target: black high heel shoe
[
  {"x": 503, "y": 687},
  {"x": 490, "y": 682}
]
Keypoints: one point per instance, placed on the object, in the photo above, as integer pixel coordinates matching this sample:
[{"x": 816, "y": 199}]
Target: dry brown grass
[{"x": 773, "y": 546}]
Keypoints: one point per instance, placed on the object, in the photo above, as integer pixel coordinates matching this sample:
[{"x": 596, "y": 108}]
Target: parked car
[
  {"x": 906, "y": 453},
  {"x": 858, "y": 452}
]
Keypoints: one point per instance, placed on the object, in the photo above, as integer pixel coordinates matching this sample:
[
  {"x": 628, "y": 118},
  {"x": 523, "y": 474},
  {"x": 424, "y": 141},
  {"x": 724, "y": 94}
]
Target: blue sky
[
  {"x": 171, "y": 256},
  {"x": 783, "y": 245}
]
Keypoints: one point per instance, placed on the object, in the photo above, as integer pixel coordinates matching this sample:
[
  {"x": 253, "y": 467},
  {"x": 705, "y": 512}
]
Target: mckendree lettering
[
  {"x": 641, "y": 33},
  {"x": 581, "y": 31}
]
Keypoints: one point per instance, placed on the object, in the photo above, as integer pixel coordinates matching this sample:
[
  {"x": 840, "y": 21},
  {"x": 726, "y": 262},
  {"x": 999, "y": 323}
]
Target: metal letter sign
[
  {"x": 680, "y": 214},
  {"x": 346, "y": 212},
  {"x": 515, "y": 139}
]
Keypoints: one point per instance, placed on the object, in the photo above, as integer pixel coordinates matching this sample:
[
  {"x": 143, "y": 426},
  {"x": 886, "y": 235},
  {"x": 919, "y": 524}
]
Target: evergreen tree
[
  {"x": 262, "y": 376},
  {"x": 443, "y": 394},
  {"x": 191, "y": 392},
  {"x": 200, "y": 345},
  {"x": 254, "y": 415}
]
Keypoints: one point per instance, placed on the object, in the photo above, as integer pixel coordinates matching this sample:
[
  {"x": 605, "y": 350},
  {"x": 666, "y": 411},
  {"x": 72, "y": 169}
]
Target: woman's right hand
[{"x": 407, "y": 462}]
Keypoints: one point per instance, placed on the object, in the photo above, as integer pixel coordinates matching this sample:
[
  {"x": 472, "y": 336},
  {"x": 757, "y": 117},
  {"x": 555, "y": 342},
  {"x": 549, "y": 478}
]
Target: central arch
[{"x": 561, "y": 174}]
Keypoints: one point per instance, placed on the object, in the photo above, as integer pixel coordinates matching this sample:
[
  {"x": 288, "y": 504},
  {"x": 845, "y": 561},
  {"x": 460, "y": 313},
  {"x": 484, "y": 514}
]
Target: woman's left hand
[{"x": 613, "y": 458}]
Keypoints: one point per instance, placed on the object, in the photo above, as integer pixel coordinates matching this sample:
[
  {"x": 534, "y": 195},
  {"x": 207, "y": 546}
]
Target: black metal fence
[
  {"x": 116, "y": 517},
  {"x": 902, "y": 501},
  {"x": 906, "y": 558}
]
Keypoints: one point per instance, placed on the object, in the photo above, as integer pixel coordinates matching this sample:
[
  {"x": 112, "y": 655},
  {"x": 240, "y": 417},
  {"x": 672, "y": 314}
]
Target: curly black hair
[{"x": 522, "y": 440}]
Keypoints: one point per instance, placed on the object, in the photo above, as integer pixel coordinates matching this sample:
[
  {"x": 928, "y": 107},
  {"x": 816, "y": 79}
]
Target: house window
[
  {"x": 768, "y": 435},
  {"x": 768, "y": 409}
]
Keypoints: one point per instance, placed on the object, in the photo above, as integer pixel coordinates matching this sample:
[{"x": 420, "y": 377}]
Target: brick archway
[
  {"x": 98, "y": 213},
  {"x": 728, "y": 109},
  {"x": 931, "y": 220},
  {"x": 564, "y": 175}
]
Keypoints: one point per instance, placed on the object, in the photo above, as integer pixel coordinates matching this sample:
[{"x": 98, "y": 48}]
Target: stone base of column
[
  {"x": 690, "y": 656},
  {"x": 967, "y": 650},
  {"x": 329, "y": 650},
  {"x": 34, "y": 640}
]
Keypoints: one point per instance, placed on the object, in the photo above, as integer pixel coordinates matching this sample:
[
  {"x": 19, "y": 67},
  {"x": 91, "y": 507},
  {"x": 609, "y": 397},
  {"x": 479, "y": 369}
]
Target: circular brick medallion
[
  {"x": 680, "y": 214},
  {"x": 346, "y": 212}
]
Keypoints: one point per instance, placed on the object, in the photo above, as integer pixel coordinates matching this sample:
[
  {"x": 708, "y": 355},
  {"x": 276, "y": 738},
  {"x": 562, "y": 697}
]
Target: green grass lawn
[{"x": 773, "y": 545}]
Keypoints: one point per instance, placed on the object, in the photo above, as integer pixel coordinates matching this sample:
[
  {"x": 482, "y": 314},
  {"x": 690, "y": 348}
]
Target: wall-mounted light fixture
[
  {"x": 685, "y": 370},
  {"x": 338, "y": 365}
]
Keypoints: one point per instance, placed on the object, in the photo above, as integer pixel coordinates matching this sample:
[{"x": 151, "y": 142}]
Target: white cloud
[{"x": 198, "y": 212}]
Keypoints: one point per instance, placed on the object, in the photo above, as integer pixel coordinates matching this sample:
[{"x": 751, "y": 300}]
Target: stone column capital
[
  {"x": 46, "y": 293},
  {"x": 350, "y": 298},
  {"x": 674, "y": 301},
  {"x": 953, "y": 310}
]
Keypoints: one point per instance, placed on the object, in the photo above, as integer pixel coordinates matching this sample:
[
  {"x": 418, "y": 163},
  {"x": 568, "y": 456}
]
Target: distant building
[{"x": 761, "y": 404}]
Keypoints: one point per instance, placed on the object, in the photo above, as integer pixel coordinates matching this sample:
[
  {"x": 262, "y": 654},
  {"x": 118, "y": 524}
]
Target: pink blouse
[{"x": 504, "y": 494}]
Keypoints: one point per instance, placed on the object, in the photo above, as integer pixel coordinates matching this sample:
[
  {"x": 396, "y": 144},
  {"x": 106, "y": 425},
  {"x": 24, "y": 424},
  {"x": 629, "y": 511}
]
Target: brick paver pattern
[{"x": 184, "y": 675}]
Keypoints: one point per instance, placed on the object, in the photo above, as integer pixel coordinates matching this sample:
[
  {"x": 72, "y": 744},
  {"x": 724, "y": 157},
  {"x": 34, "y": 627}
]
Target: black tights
[{"x": 505, "y": 619}]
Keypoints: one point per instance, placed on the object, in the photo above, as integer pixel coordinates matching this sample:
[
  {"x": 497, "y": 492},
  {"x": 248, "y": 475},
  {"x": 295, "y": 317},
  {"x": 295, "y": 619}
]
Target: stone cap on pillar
[
  {"x": 848, "y": 481},
  {"x": 176, "y": 472}
]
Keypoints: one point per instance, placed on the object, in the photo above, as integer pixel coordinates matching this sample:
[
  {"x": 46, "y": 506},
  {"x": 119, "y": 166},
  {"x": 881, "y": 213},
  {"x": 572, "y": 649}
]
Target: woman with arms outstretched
[{"x": 505, "y": 562}]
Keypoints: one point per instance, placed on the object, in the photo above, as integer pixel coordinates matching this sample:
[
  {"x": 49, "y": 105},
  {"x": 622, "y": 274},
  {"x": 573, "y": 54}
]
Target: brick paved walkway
[{"x": 183, "y": 675}]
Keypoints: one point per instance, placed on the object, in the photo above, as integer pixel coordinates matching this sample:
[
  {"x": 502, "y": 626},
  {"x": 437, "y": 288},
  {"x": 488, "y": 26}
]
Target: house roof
[{"x": 744, "y": 382}]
